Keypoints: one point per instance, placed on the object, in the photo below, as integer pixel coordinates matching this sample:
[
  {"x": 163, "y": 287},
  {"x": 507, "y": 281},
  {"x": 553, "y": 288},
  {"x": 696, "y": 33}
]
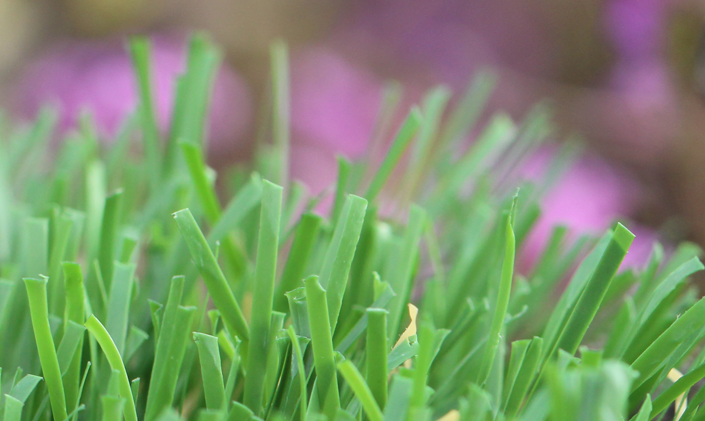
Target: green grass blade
[
  {"x": 212, "y": 275},
  {"x": 322, "y": 343},
  {"x": 399, "y": 399},
  {"x": 140, "y": 51},
  {"x": 211, "y": 371},
  {"x": 135, "y": 338},
  {"x": 500, "y": 310},
  {"x": 589, "y": 302},
  {"x": 678, "y": 388},
  {"x": 377, "y": 349},
  {"x": 279, "y": 57},
  {"x": 339, "y": 257},
  {"x": 362, "y": 391},
  {"x": 401, "y": 141},
  {"x": 301, "y": 371},
  {"x": 202, "y": 185},
  {"x": 61, "y": 231},
  {"x": 660, "y": 293},
  {"x": 113, "y": 356},
  {"x": 108, "y": 236},
  {"x": 402, "y": 278},
  {"x": 13, "y": 409},
  {"x": 169, "y": 353},
  {"x": 70, "y": 341},
  {"x": 468, "y": 111},
  {"x": 301, "y": 248},
  {"x": 37, "y": 294},
  {"x": 344, "y": 168},
  {"x": 382, "y": 300},
  {"x": 265, "y": 273},
  {"x": 193, "y": 93},
  {"x": 113, "y": 407},
  {"x": 247, "y": 198},
  {"x": 653, "y": 358},
  {"x": 119, "y": 304},
  {"x": 516, "y": 360},
  {"x": 525, "y": 377},
  {"x": 644, "y": 413},
  {"x": 22, "y": 389}
]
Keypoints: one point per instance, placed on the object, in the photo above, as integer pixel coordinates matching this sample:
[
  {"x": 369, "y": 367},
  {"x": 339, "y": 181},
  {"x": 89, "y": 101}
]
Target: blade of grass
[
  {"x": 403, "y": 138},
  {"x": 589, "y": 302},
  {"x": 193, "y": 93},
  {"x": 279, "y": 57},
  {"x": 527, "y": 374},
  {"x": 662, "y": 402},
  {"x": 247, "y": 198},
  {"x": 119, "y": 304},
  {"x": 500, "y": 310},
  {"x": 265, "y": 273},
  {"x": 112, "y": 354},
  {"x": 211, "y": 371},
  {"x": 653, "y": 358},
  {"x": 340, "y": 253},
  {"x": 13, "y": 409},
  {"x": 344, "y": 168},
  {"x": 38, "y": 307},
  {"x": 301, "y": 370},
  {"x": 377, "y": 349},
  {"x": 322, "y": 343},
  {"x": 401, "y": 279},
  {"x": 660, "y": 293},
  {"x": 301, "y": 248},
  {"x": 108, "y": 236},
  {"x": 357, "y": 383},
  {"x": 207, "y": 265},
  {"x": 140, "y": 51}
]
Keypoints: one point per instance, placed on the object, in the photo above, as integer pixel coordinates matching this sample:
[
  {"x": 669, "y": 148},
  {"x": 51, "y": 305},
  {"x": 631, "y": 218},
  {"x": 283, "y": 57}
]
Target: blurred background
[{"x": 628, "y": 75}]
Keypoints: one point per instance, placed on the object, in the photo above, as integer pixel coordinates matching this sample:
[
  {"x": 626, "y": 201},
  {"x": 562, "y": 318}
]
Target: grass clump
[{"x": 172, "y": 297}]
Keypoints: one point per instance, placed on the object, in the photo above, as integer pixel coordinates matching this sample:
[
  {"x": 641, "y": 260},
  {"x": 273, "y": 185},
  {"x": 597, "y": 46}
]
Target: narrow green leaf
[
  {"x": 108, "y": 235},
  {"x": 500, "y": 310},
  {"x": 362, "y": 391},
  {"x": 37, "y": 294},
  {"x": 140, "y": 51},
  {"x": 595, "y": 290},
  {"x": 340, "y": 253},
  {"x": 13, "y": 409},
  {"x": 525, "y": 377},
  {"x": 653, "y": 358},
  {"x": 22, "y": 389},
  {"x": 212, "y": 275},
  {"x": 265, "y": 273},
  {"x": 301, "y": 248},
  {"x": 401, "y": 279},
  {"x": 113, "y": 356},
  {"x": 279, "y": 57},
  {"x": 113, "y": 407},
  {"x": 377, "y": 349},
  {"x": 322, "y": 343},
  {"x": 119, "y": 303},
  {"x": 399, "y": 399},
  {"x": 211, "y": 371},
  {"x": 403, "y": 138}
]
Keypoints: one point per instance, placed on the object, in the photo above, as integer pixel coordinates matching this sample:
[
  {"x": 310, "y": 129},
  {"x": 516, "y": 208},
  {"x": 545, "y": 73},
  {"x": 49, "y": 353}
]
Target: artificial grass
[{"x": 175, "y": 293}]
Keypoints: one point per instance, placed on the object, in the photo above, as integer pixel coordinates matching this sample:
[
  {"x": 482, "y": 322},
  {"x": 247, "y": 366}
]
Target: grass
[{"x": 178, "y": 293}]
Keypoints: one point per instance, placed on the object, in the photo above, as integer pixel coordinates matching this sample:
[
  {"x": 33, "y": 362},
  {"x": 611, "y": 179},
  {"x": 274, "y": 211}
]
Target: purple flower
[
  {"x": 588, "y": 199},
  {"x": 334, "y": 109},
  {"x": 97, "y": 76}
]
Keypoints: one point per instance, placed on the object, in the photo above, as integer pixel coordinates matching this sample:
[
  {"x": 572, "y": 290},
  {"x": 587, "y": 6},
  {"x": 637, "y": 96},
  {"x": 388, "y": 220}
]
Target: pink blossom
[
  {"x": 587, "y": 199},
  {"x": 334, "y": 107},
  {"x": 97, "y": 76}
]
